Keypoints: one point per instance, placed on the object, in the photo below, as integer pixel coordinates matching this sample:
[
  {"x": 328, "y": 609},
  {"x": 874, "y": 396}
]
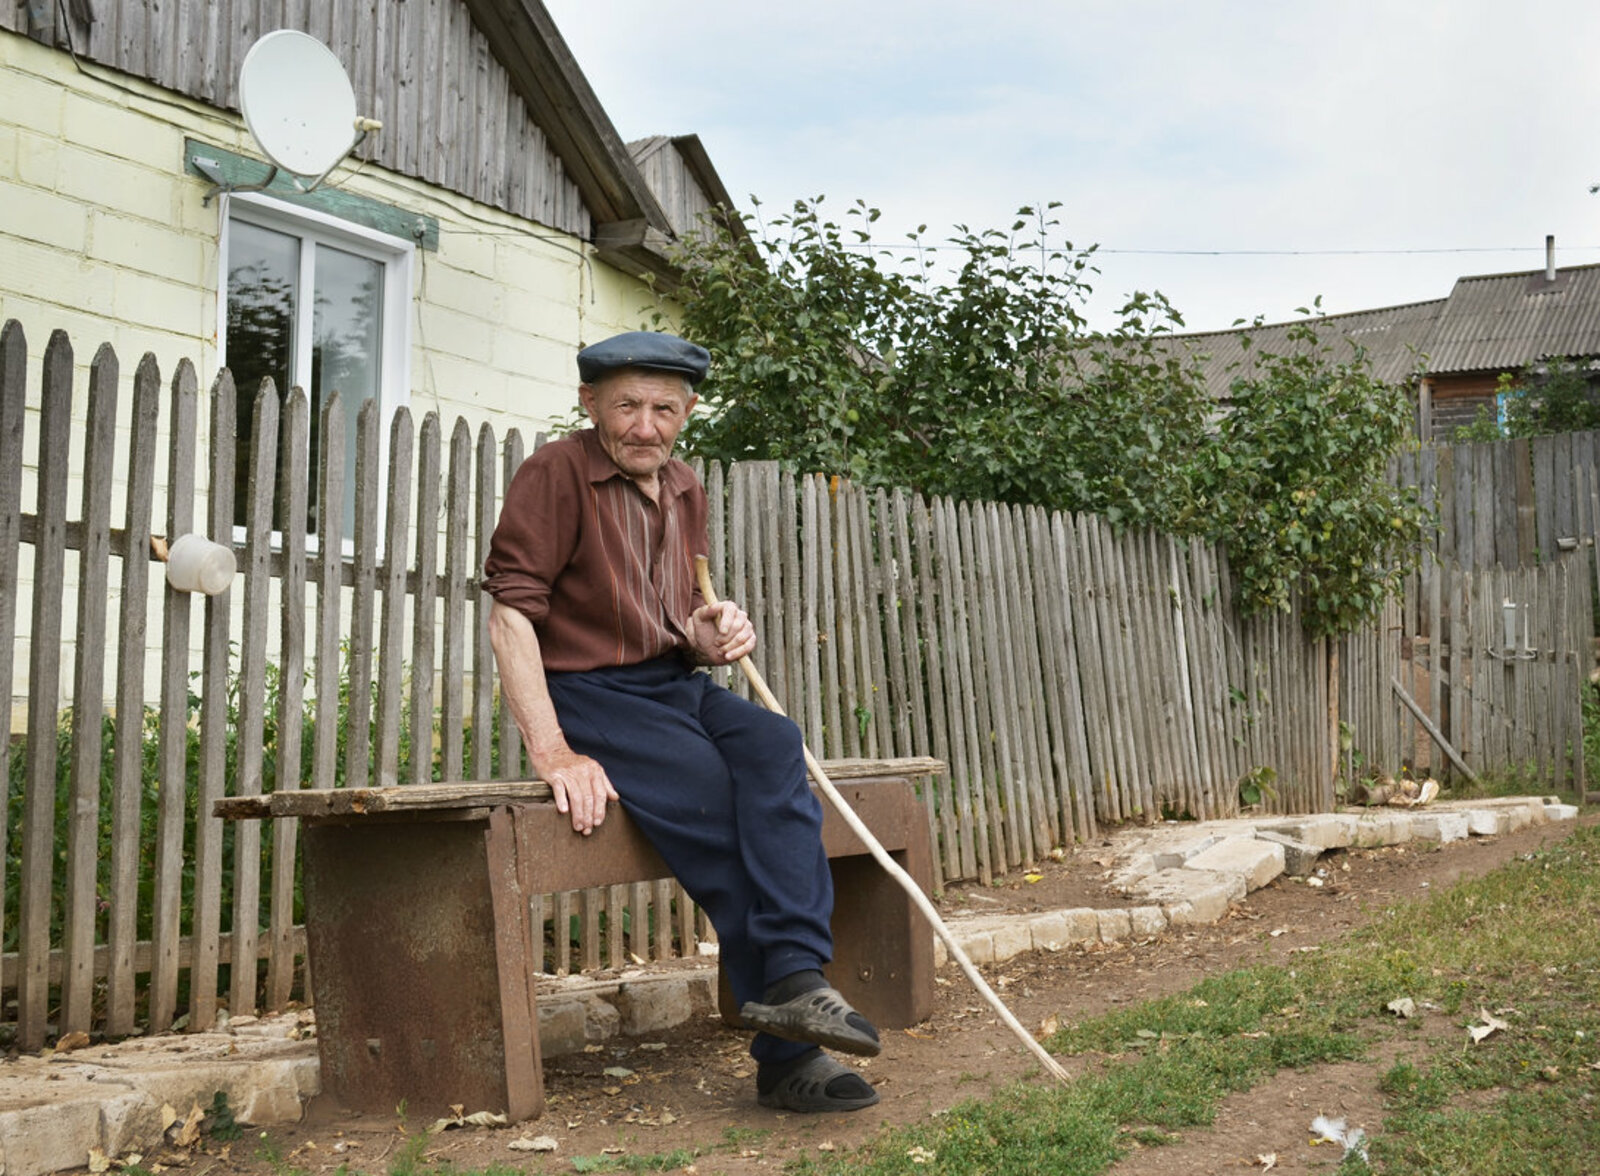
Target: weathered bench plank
[{"x": 327, "y": 802}]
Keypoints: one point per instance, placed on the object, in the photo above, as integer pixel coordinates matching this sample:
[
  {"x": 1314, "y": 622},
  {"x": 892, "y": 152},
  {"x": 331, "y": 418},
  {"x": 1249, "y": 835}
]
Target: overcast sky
[{"x": 1434, "y": 138}]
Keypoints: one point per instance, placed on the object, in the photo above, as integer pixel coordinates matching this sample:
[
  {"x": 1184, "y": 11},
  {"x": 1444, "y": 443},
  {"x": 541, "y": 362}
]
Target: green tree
[
  {"x": 834, "y": 356},
  {"x": 1299, "y": 492},
  {"x": 1561, "y": 400}
]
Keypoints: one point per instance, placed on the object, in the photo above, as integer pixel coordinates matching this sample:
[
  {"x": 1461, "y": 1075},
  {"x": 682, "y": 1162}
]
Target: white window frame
[{"x": 398, "y": 258}]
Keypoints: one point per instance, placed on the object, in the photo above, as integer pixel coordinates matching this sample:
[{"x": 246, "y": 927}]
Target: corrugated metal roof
[
  {"x": 1392, "y": 338},
  {"x": 1490, "y": 323},
  {"x": 1501, "y": 322}
]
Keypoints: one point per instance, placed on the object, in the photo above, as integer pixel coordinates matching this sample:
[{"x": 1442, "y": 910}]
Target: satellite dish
[{"x": 298, "y": 103}]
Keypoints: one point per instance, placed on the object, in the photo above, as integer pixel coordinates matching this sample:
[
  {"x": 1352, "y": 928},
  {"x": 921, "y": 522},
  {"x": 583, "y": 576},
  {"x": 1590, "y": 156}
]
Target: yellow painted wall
[{"x": 104, "y": 234}]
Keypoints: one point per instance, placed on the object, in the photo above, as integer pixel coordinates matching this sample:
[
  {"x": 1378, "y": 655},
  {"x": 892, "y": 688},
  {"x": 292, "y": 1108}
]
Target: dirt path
[{"x": 694, "y": 1088}]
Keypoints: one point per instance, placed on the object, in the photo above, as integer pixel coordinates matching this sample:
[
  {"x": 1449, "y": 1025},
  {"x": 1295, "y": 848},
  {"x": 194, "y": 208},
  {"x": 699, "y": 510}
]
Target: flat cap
[{"x": 643, "y": 349}]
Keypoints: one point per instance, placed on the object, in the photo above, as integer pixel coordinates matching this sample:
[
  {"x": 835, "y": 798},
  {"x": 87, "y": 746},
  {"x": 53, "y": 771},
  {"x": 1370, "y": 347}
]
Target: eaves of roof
[{"x": 630, "y": 227}]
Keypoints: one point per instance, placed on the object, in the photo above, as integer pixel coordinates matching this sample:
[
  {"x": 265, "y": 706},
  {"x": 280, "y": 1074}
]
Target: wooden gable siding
[
  {"x": 422, "y": 67},
  {"x": 673, "y": 179}
]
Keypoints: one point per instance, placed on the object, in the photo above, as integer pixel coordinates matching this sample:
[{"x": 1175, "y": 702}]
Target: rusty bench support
[{"x": 425, "y": 954}]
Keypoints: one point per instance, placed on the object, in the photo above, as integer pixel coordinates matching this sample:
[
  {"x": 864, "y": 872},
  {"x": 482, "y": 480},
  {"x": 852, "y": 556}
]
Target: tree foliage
[
  {"x": 1558, "y": 399},
  {"x": 1297, "y": 487},
  {"x": 982, "y": 381}
]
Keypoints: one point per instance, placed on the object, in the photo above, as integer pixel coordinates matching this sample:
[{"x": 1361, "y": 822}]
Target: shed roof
[
  {"x": 1499, "y": 322},
  {"x": 1489, "y": 323}
]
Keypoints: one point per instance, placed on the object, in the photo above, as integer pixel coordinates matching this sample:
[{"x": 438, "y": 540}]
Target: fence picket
[
  {"x": 358, "y": 766},
  {"x": 174, "y": 738},
  {"x": 453, "y": 700},
  {"x": 511, "y": 760},
  {"x": 127, "y": 757},
  {"x": 425, "y": 599},
  {"x": 808, "y": 650},
  {"x": 330, "y": 590},
  {"x": 392, "y": 609},
  {"x": 88, "y": 699},
  {"x": 214, "y": 717},
  {"x": 295, "y": 452},
  {"x": 486, "y": 504},
  {"x": 954, "y": 666},
  {"x": 251, "y": 739},
  {"x": 44, "y": 678},
  {"x": 13, "y": 402}
]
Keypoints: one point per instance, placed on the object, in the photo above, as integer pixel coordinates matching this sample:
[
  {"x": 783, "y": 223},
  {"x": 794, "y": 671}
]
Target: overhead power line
[{"x": 932, "y": 247}]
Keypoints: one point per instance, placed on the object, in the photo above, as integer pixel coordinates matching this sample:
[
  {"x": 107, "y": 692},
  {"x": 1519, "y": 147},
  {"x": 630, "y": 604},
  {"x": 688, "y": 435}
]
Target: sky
[{"x": 1243, "y": 158}]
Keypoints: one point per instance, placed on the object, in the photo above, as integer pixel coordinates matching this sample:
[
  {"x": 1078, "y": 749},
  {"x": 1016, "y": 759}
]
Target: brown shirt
[{"x": 605, "y": 575}]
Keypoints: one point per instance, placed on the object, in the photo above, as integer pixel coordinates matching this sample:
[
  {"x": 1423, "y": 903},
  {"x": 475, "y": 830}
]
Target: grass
[{"x": 1521, "y": 942}]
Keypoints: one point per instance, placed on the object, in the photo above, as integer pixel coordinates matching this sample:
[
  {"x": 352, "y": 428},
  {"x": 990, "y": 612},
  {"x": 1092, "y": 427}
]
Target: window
[{"x": 319, "y": 303}]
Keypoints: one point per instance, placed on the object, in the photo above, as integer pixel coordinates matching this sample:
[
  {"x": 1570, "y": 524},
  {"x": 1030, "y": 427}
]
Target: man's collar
[{"x": 675, "y": 476}]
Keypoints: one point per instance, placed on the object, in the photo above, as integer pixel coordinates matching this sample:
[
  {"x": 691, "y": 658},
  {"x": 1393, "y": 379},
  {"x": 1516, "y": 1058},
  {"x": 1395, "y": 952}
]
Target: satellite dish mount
[{"x": 300, "y": 109}]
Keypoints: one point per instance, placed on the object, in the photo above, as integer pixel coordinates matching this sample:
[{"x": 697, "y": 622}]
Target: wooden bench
[{"x": 425, "y": 954}]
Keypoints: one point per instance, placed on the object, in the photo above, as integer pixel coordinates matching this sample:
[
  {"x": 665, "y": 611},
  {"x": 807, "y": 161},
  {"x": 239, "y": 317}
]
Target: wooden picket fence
[
  {"x": 1510, "y": 503},
  {"x": 1073, "y": 677},
  {"x": 1495, "y": 634}
]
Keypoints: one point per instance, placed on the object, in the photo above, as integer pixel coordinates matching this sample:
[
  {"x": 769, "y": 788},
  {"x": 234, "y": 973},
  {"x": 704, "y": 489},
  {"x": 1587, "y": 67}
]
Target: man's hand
[
  {"x": 721, "y": 633},
  {"x": 580, "y": 786}
]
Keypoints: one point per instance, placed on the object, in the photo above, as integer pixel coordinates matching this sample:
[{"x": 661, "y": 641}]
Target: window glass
[
  {"x": 310, "y": 305},
  {"x": 263, "y": 292},
  {"x": 346, "y": 347}
]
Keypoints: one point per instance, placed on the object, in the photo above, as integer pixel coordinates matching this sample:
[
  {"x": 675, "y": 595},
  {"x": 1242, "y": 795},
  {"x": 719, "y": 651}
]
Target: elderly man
[{"x": 596, "y": 627}]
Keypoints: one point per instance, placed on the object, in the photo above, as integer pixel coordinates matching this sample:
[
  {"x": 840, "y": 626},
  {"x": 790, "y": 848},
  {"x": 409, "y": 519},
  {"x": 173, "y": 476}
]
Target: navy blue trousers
[{"x": 718, "y": 785}]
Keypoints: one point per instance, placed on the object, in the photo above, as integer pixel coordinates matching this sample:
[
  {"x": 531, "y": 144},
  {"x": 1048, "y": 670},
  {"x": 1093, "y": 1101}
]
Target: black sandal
[
  {"x": 821, "y": 1017},
  {"x": 815, "y": 1082}
]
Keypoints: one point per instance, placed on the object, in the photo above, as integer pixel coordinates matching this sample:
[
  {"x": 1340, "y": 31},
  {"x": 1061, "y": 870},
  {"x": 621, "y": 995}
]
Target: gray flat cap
[{"x": 643, "y": 349}]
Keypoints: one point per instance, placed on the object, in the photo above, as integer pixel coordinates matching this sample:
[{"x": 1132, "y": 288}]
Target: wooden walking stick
[{"x": 702, "y": 573}]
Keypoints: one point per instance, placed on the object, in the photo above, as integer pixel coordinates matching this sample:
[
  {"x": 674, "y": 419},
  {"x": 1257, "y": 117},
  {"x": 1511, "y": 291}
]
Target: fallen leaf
[
  {"x": 1033, "y": 877},
  {"x": 539, "y": 1143},
  {"x": 1402, "y": 1006},
  {"x": 1490, "y": 1024},
  {"x": 826, "y": 1145},
  {"x": 921, "y": 1155},
  {"x": 1050, "y": 1026},
  {"x": 458, "y": 1119},
  {"x": 1268, "y": 1162},
  {"x": 98, "y": 1161},
  {"x": 71, "y": 1041},
  {"x": 617, "y": 1072},
  {"x": 189, "y": 1133},
  {"x": 168, "y": 1117}
]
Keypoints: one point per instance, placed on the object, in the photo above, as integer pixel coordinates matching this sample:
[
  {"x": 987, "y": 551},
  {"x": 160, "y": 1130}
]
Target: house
[
  {"x": 453, "y": 263},
  {"x": 1451, "y": 350}
]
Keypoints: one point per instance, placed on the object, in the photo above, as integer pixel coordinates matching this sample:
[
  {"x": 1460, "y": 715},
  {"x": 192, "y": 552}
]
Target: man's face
[{"x": 638, "y": 414}]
